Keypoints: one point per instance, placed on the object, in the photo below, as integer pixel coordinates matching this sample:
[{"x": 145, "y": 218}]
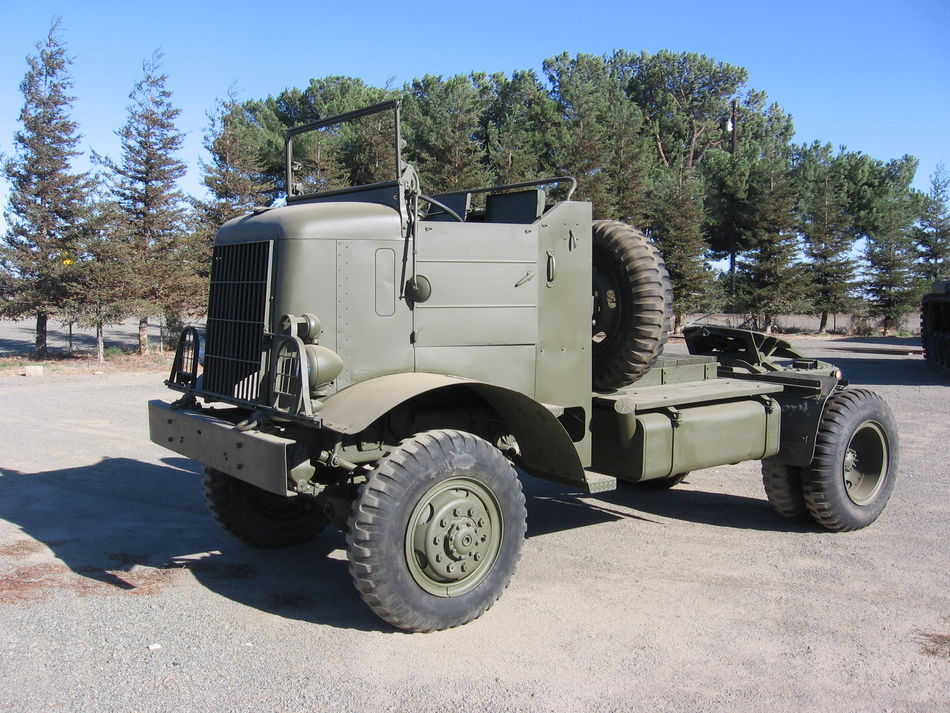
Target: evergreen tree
[
  {"x": 889, "y": 209},
  {"x": 517, "y": 127},
  {"x": 144, "y": 184},
  {"x": 825, "y": 221},
  {"x": 933, "y": 235},
  {"x": 101, "y": 286},
  {"x": 235, "y": 175},
  {"x": 677, "y": 229},
  {"x": 48, "y": 203},
  {"x": 234, "y": 178},
  {"x": 770, "y": 279},
  {"x": 443, "y": 120},
  {"x": 267, "y": 122},
  {"x": 600, "y": 141},
  {"x": 685, "y": 98}
]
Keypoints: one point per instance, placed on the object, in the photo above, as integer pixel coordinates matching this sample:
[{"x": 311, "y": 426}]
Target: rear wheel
[
  {"x": 257, "y": 517},
  {"x": 783, "y": 487},
  {"x": 632, "y": 303},
  {"x": 661, "y": 483},
  {"x": 851, "y": 477},
  {"x": 436, "y": 531}
]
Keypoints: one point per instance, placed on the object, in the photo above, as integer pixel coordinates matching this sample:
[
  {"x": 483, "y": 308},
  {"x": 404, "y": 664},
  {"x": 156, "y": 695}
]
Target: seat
[
  {"x": 519, "y": 207},
  {"x": 461, "y": 203}
]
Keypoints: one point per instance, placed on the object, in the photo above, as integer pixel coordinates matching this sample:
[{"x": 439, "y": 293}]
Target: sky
[{"x": 872, "y": 76}]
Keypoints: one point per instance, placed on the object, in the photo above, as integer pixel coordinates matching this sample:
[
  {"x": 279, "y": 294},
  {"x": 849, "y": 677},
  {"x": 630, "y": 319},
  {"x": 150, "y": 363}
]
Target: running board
[{"x": 599, "y": 483}]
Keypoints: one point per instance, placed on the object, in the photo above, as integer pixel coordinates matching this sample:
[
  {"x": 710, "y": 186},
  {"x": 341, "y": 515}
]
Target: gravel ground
[{"x": 118, "y": 593}]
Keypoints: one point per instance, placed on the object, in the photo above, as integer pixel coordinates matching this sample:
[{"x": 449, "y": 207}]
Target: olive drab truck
[{"x": 387, "y": 361}]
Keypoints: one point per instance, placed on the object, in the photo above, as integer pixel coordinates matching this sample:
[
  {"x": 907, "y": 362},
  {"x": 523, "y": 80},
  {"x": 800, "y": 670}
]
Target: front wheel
[
  {"x": 851, "y": 477},
  {"x": 437, "y": 530},
  {"x": 257, "y": 517}
]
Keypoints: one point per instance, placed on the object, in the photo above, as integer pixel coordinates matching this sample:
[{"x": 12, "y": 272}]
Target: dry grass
[{"x": 88, "y": 364}]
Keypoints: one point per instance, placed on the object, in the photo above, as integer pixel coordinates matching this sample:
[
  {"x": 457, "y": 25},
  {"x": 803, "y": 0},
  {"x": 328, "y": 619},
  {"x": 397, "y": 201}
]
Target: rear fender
[{"x": 546, "y": 448}]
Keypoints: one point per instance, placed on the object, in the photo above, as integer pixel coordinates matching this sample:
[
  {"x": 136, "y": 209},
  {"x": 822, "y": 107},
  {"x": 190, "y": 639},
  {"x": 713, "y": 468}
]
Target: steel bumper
[{"x": 257, "y": 458}]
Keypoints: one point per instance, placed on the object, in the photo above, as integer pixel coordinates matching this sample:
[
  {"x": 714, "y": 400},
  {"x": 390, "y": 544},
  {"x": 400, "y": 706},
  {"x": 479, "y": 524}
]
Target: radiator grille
[{"x": 237, "y": 314}]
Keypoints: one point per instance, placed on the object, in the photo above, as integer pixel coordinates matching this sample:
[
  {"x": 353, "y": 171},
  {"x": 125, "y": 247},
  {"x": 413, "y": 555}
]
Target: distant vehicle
[
  {"x": 935, "y": 324},
  {"x": 385, "y": 360}
]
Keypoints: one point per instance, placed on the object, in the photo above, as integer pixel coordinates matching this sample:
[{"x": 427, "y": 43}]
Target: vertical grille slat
[{"x": 237, "y": 314}]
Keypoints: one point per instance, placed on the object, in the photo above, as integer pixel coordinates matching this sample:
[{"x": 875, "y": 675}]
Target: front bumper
[{"x": 257, "y": 458}]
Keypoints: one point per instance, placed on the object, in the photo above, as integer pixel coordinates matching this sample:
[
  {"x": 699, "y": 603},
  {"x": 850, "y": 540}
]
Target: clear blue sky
[{"x": 871, "y": 75}]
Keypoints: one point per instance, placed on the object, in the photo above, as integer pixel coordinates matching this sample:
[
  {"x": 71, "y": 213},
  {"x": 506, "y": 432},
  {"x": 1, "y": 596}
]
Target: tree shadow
[{"x": 130, "y": 526}]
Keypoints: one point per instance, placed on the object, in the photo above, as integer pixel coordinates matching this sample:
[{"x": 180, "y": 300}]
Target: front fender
[{"x": 546, "y": 448}]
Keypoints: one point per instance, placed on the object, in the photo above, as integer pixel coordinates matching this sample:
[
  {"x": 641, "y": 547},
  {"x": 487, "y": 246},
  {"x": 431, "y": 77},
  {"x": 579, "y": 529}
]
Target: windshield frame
[{"x": 392, "y": 105}]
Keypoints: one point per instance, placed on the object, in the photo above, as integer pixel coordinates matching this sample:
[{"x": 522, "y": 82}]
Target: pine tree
[
  {"x": 144, "y": 184},
  {"x": 600, "y": 141},
  {"x": 684, "y": 98},
  {"x": 517, "y": 126},
  {"x": 234, "y": 177},
  {"x": 48, "y": 203},
  {"x": 887, "y": 211},
  {"x": 101, "y": 286},
  {"x": 825, "y": 221},
  {"x": 770, "y": 279},
  {"x": 676, "y": 226},
  {"x": 443, "y": 119},
  {"x": 933, "y": 235}
]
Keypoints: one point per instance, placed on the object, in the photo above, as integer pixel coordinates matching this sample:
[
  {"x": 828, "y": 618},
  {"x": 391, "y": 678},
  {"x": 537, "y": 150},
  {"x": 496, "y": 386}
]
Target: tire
[
  {"x": 632, "y": 304},
  {"x": 257, "y": 517},
  {"x": 661, "y": 483},
  {"x": 783, "y": 488},
  {"x": 436, "y": 531},
  {"x": 850, "y": 479}
]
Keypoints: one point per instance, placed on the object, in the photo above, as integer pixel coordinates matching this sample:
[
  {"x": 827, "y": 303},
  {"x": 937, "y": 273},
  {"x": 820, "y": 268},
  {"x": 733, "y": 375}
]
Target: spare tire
[{"x": 632, "y": 304}]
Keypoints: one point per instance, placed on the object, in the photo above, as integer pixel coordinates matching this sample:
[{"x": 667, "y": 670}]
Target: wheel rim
[
  {"x": 606, "y": 307},
  {"x": 865, "y": 463},
  {"x": 453, "y": 537}
]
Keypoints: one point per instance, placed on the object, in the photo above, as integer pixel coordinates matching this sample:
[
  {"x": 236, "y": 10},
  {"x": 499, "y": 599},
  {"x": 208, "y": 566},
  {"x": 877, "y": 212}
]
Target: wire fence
[{"x": 18, "y": 338}]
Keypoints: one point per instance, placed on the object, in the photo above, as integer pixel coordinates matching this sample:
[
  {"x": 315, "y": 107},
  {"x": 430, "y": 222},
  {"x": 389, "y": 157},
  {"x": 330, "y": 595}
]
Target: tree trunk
[
  {"x": 823, "y": 323},
  {"x": 143, "y": 335},
  {"x": 41, "y": 320},
  {"x": 100, "y": 344}
]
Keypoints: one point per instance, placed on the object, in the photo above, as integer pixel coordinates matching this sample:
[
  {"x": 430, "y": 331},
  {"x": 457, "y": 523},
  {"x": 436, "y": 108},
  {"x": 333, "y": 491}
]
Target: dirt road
[{"x": 118, "y": 592}]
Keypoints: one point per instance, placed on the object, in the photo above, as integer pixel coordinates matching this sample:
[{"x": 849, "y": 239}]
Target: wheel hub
[
  {"x": 865, "y": 463},
  {"x": 453, "y": 537}
]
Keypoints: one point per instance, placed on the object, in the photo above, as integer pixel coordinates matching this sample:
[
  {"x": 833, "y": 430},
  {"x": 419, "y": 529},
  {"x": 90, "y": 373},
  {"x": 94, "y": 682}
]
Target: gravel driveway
[{"x": 118, "y": 592}]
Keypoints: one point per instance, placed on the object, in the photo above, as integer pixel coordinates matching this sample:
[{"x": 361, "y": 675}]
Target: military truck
[
  {"x": 935, "y": 324},
  {"x": 389, "y": 361}
]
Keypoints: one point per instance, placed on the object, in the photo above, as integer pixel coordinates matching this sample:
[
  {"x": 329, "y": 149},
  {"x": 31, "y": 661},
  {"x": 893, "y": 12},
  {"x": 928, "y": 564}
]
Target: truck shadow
[
  {"x": 907, "y": 371},
  {"x": 554, "y": 508},
  {"x": 122, "y": 527}
]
